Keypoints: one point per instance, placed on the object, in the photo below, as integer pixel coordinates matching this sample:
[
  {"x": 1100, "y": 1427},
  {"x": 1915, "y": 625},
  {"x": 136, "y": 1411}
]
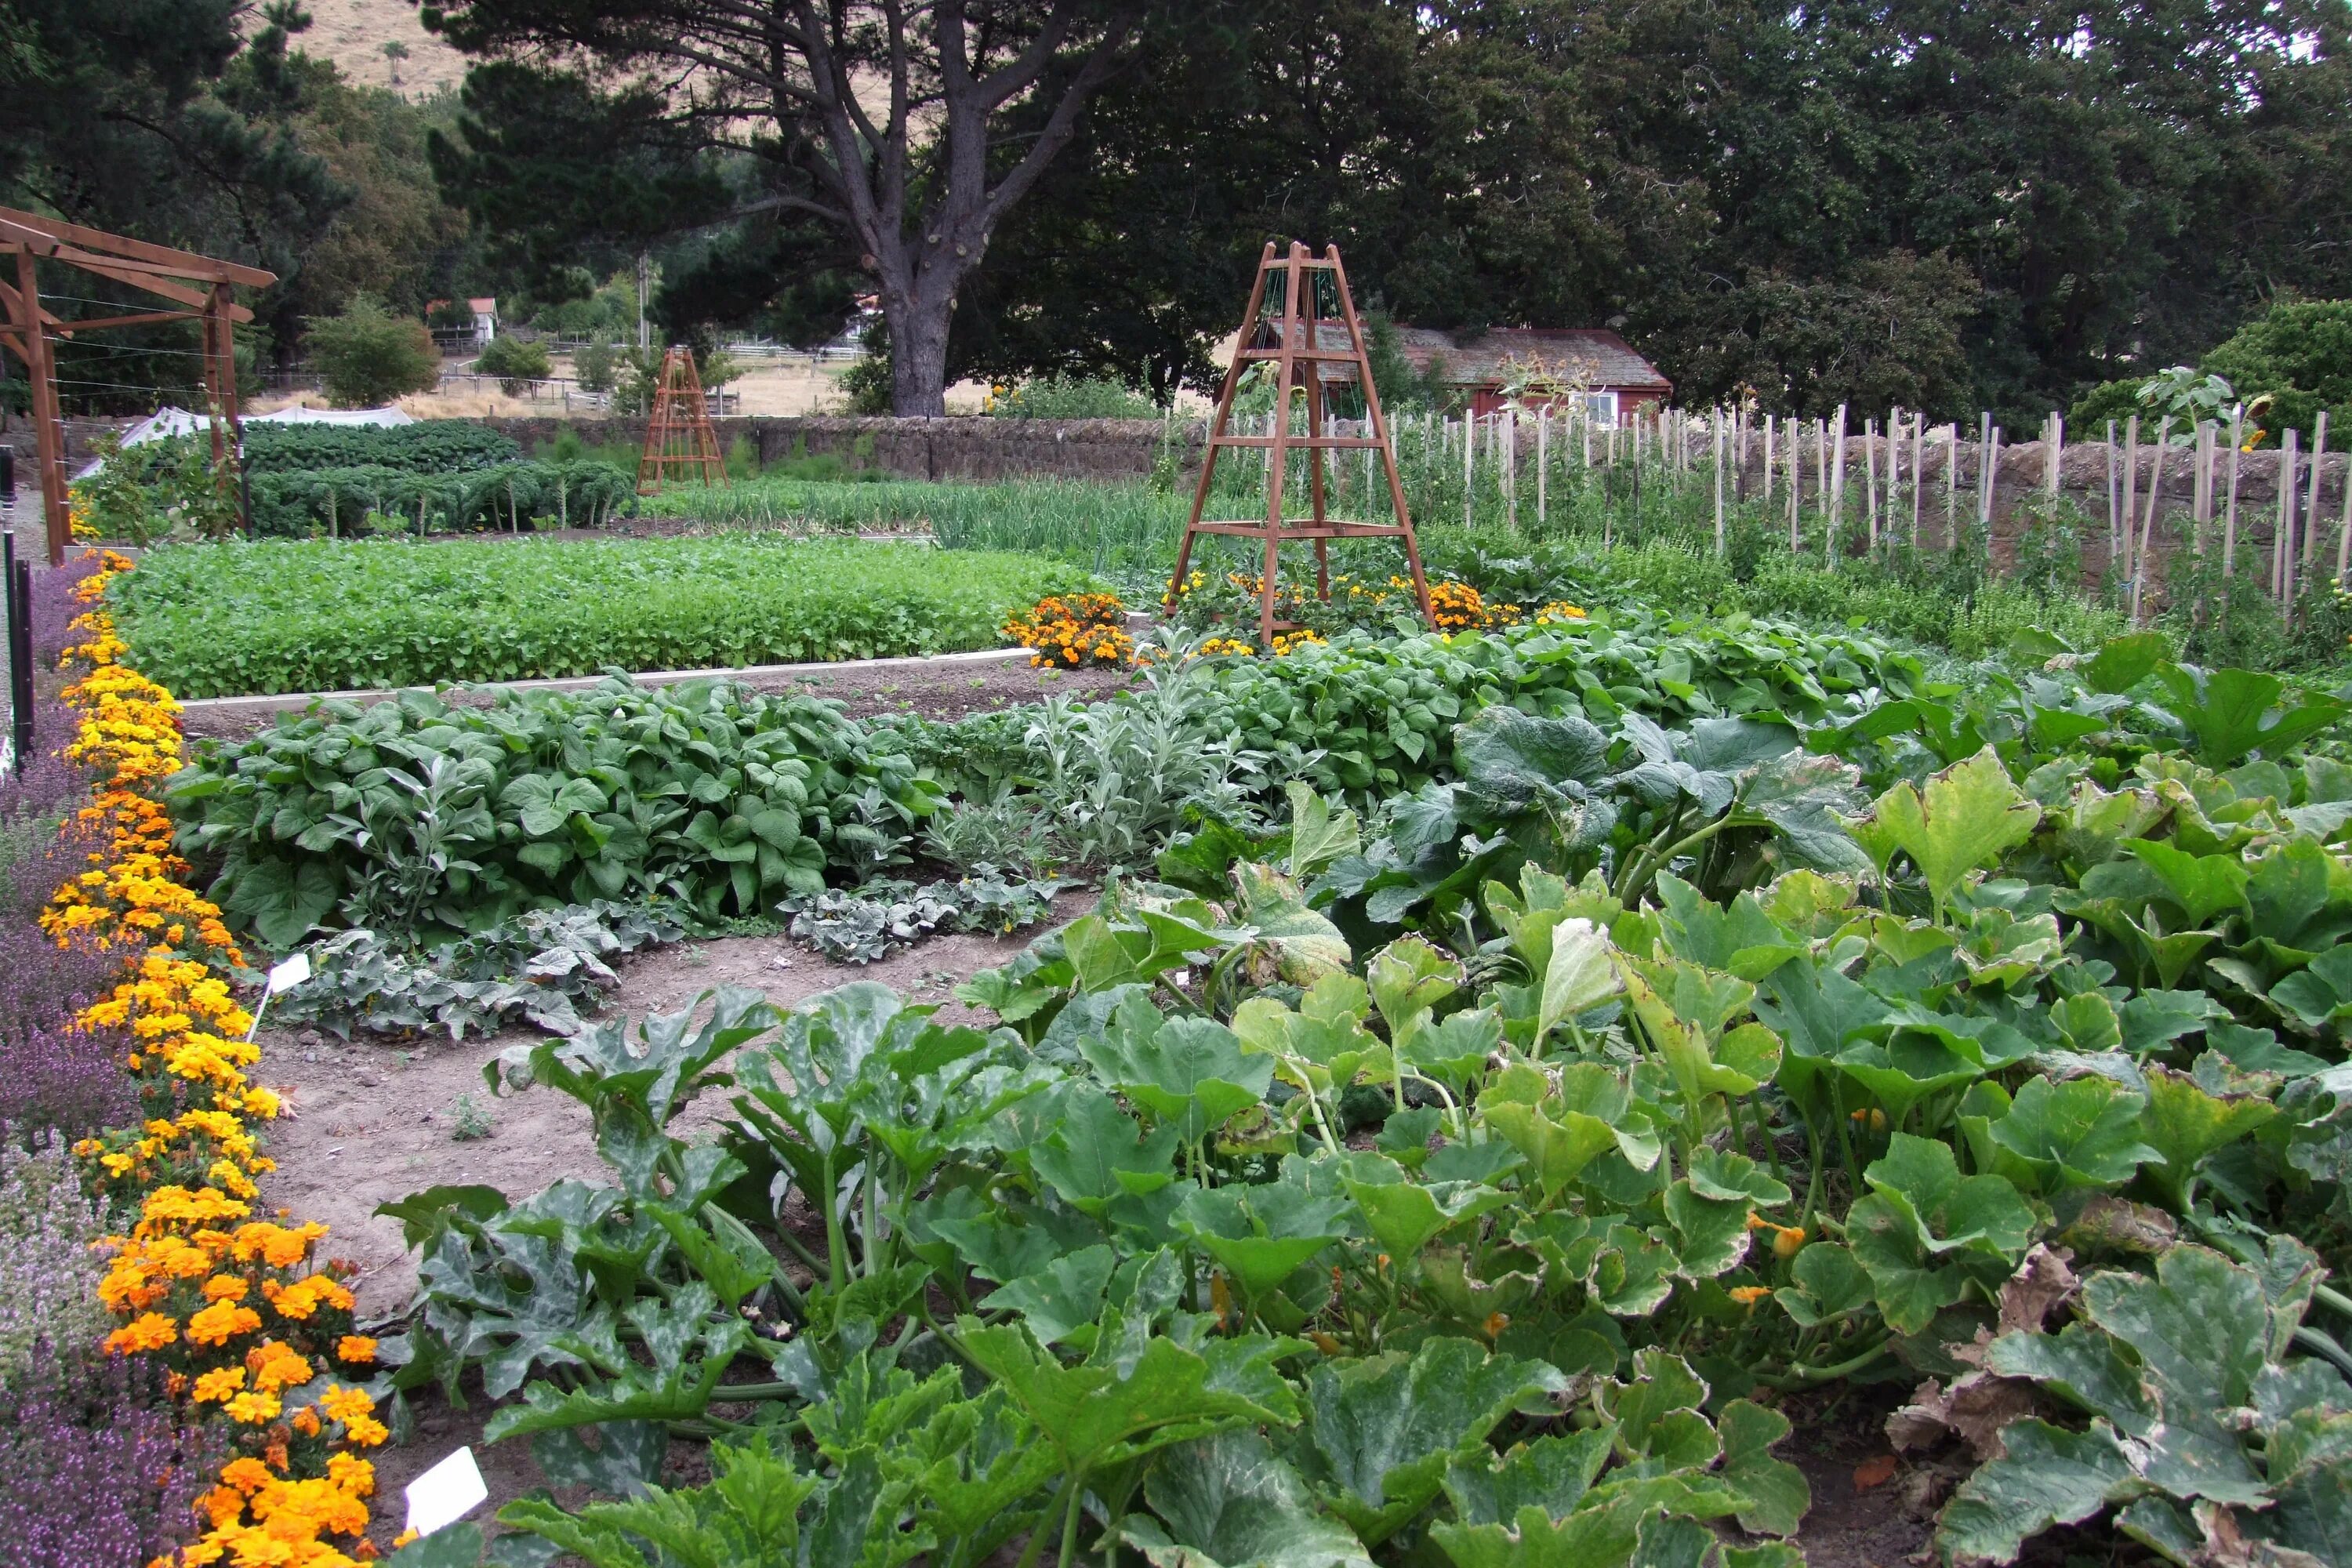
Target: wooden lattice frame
[
  {"x": 679, "y": 440},
  {"x": 26, "y": 329},
  {"x": 1304, "y": 337}
]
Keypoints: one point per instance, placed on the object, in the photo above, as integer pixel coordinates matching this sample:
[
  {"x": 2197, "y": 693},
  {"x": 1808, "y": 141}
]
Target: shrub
[
  {"x": 317, "y": 615},
  {"x": 366, "y": 356},
  {"x": 595, "y": 364},
  {"x": 2298, "y": 353},
  {"x": 427, "y": 446},
  {"x": 515, "y": 363},
  {"x": 1073, "y": 397}
]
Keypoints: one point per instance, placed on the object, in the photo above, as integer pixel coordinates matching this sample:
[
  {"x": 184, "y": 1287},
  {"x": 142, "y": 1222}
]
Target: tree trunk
[{"x": 918, "y": 355}]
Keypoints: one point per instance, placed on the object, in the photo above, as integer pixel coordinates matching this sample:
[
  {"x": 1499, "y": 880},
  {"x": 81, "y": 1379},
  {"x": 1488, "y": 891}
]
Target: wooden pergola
[{"x": 196, "y": 286}]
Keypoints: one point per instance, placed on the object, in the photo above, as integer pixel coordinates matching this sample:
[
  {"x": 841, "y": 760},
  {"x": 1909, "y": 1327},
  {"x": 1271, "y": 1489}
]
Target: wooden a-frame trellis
[
  {"x": 680, "y": 439},
  {"x": 26, "y": 329},
  {"x": 1303, "y": 336}
]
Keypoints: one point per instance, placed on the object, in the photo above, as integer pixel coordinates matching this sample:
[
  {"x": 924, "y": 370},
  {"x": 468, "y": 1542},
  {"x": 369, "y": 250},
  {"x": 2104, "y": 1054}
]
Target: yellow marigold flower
[
  {"x": 346, "y": 1405},
  {"x": 1749, "y": 1295},
  {"x": 216, "y": 1385},
  {"x": 356, "y": 1348},
  {"x": 254, "y": 1409}
]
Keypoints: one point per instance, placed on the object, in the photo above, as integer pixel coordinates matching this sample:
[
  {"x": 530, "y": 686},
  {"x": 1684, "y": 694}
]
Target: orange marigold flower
[
  {"x": 222, "y": 1322},
  {"x": 149, "y": 1331},
  {"x": 355, "y": 1348}
]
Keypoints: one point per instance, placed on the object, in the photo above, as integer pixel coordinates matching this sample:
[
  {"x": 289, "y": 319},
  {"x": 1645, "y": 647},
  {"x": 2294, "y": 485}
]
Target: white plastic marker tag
[
  {"x": 445, "y": 1493},
  {"x": 290, "y": 973}
]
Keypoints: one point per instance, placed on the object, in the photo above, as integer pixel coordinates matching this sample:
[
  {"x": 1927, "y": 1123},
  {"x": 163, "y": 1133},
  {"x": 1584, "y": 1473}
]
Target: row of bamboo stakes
[{"x": 1728, "y": 444}]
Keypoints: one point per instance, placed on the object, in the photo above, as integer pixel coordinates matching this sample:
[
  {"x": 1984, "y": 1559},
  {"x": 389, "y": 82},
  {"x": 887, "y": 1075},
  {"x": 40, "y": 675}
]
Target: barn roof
[{"x": 1480, "y": 359}]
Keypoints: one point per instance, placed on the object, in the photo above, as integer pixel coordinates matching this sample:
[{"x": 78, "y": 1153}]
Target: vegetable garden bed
[
  {"x": 1650, "y": 1027},
  {"x": 239, "y": 618}
]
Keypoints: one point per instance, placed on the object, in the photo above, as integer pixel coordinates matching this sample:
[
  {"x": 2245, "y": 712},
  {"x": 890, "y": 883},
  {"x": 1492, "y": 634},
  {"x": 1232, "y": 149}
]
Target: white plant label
[
  {"x": 290, "y": 973},
  {"x": 445, "y": 1493}
]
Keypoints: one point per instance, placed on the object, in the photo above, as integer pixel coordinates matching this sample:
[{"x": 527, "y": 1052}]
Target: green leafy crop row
[
  {"x": 337, "y": 501},
  {"x": 417, "y": 816},
  {"x": 229, "y": 619}
]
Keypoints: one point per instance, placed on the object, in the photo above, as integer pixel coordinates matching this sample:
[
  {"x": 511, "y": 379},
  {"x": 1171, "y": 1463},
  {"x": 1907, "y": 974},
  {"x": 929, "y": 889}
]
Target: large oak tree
[{"x": 886, "y": 138}]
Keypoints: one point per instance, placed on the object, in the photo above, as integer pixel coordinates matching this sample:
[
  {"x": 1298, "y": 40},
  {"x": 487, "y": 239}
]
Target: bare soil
[
  {"x": 374, "y": 1120},
  {"x": 941, "y": 692}
]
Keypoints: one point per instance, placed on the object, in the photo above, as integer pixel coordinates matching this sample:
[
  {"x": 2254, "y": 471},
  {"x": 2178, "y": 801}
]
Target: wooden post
[
  {"x": 2049, "y": 479},
  {"x": 49, "y": 423},
  {"x": 1768, "y": 459},
  {"x": 1987, "y": 478},
  {"x": 1951, "y": 486}
]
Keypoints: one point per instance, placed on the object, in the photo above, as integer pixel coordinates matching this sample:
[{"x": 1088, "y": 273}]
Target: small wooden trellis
[
  {"x": 27, "y": 329},
  {"x": 1317, "y": 326},
  {"x": 679, "y": 440}
]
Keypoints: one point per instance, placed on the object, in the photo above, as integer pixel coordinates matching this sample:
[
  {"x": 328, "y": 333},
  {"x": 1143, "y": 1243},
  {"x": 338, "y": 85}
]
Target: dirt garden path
[{"x": 372, "y": 1121}]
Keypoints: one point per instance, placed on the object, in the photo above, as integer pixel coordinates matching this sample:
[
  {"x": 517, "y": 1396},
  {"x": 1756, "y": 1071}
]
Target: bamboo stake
[
  {"x": 2201, "y": 504},
  {"x": 1718, "y": 423},
  {"x": 2147, "y": 527},
  {"x": 1988, "y": 477},
  {"x": 1543, "y": 463},
  {"x": 1918, "y": 471},
  {"x": 2122, "y": 561},
  {"x": 1870, "y": 484},
  {"x": 1837, "y": 491},
  {"x": 1469, "y": 464},
  {"x": 2230, "y": 520},
  {"x": 2283, "y": 537},
  {"x": 1796, "y": 480},
  {"x": 2113, "y": 544},
  {"x": 1894, "y": 465},
  {"x": 1951, "y": 486},
  {"x": 2311, "y": 508},
  {"x": 2343, "y": 531}
]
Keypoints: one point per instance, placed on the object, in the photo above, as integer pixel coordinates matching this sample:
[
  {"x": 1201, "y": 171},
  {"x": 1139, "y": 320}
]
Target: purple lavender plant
[
  {"x": 101, "y": 1471},
  {"x": 48, "y": 1270}
]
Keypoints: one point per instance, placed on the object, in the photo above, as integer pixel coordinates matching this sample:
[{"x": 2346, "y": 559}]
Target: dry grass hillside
[{"x": 353, "y": 34}]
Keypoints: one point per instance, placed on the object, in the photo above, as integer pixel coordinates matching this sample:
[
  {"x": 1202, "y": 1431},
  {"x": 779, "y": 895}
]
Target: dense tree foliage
[
  {"x": 1937, "y": 203},
  {"x": 198, "y": 123},
  {"x": 889, "y": 139}
]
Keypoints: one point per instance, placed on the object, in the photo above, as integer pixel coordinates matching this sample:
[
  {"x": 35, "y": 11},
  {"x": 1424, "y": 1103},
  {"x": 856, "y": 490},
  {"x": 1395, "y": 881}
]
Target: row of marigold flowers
[
  {"x": 1074, "y": 630},
  {"x": 250, "y": 1325}
]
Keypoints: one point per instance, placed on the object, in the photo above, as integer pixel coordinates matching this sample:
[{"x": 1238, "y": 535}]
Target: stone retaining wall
[{"x": 950, "y": 448}]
